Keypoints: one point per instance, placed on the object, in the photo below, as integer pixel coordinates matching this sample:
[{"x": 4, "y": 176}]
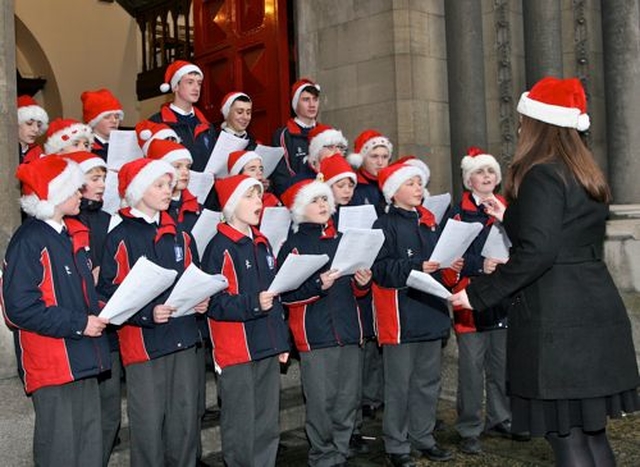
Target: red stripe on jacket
[{"x": 386, "y": 312}]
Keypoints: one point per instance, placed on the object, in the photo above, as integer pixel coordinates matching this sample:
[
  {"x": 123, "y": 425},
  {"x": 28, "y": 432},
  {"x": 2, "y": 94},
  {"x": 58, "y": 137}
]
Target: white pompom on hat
[
  {"x": 476, "y": 159},
  {"x": 175, "y": 72}
]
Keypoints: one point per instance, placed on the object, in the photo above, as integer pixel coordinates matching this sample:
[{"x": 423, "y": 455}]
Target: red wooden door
[{"x": 243, "y": 45}]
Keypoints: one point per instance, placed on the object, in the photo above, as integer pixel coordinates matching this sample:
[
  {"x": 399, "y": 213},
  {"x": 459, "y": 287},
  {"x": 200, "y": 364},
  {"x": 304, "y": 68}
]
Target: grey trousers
[
  {"x": 162, "y": 398},
  {"x": 110, "y": 387},
  {"x": 372, "y": 375},
  {"x": 250, "y": 395},
  {"x": 411, "y": 391},
  {"x": 482, "y": 360},
  {"x": 331, "y": 384},
  {"x": 68, "y": 426}
]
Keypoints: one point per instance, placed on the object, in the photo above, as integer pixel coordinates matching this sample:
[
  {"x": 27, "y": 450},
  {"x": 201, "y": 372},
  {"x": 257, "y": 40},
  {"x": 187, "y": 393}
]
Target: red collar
[
  {"x": 78, "y": 232},
  {"x": 426, "y": 217},
  {"x": 366, "y": 178},
  {"x": 167, "y": 225},
  {"x": 236, "y": 236},
  {"x": 188, "y": 203},
  {"x": 169, "y": 115},
  {"x": 468, "y": 203}
]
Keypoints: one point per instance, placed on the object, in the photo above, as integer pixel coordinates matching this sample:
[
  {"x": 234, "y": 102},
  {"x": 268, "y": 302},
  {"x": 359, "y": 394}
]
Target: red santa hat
[
  {"x": 147, "y": 131},
  {"x": 231, "y": 189},
  {"x": 175, "y": 72},
  {"x": 297, "y": 89},
  {"x": 168, "y": 151},
  {"x": 29, "y": 109},
  {"x": 87, "y": 160},
  {"x": 476, "y": 159},
  {"x": 46, "y": 183},
  {"x": 391, "y": 178},
  {"x": 414, "y": 161},
  {"x": 334, "y": 168},
  {"x": 63, "y": 132},
  {"x": 238, "y": 159},
  {"x": 97, "y": 104},
  {"x": 136, "y": 176},
  {"x": 560, "y": 102},
  {"x": 228, "y": 100},
  {"x": 364, "y": 143},
  {"x": 302, "y": 193},
  {"x": 323, "y": 135}
]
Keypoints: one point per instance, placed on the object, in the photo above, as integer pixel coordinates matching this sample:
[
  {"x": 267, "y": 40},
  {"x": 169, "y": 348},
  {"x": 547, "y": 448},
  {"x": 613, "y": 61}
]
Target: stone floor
[{"x": 498, "y": 452}]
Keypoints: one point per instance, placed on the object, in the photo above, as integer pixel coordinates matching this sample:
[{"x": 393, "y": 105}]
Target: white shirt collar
[
  {"x": 228, "y": 129},
  {"x": 141, "y": 215},
  {"x": 302, "y": 124},
  {"x": 57, "y": 226},
  {"x": 180, "y": 111}
]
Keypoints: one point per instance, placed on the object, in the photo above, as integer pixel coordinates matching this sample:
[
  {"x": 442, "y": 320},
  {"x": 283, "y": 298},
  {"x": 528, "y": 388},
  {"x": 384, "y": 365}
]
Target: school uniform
[
  {"x": 481, "y": 336},
  {"x": 246, "y": 344},
  {"x": 48, "y": 294},
  {"x": 293, "y": 137},
  {"x": 29, "y": 153},
  {"x": 100, "y": 147},
  {"x": 410, "y": 326},
  {"x": 327, "y": 330},
  {"x": 159, "y": 359}
]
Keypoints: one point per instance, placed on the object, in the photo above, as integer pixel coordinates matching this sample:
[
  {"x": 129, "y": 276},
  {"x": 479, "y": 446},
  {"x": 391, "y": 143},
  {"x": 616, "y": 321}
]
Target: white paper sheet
[
  {"x": 454, "y": 241},
  {"x": 200, "y": 184},
  {"x": 225, "y": 144},
  {"x": 204, "y": 229},
  {"x": 356, "y": 217},
  {"x": 145, "y": 281},
  {"x": 438, "y": 205},
  {"x": 275, "y": 226},
  {"x": 270, "y": 157},
  {"x": 111, "y": 198},
  {"x": 497, "y": 244},
  {"x": 357, "y": 249},
  {"x": 193, "y": 287},
  {"x": 123, "y": 148},
  {"x": 427, "y": 284},
  {"x": 295, "y": 270}
]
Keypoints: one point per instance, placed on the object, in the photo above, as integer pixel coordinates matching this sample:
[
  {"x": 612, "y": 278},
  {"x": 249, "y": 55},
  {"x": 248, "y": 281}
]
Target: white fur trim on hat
[
  {"x": 93, "y": 163},
  {"x": 415, "y": 162},
  {"x": 55, "y": 142},
  {"x": 470, "y": 164},
  {"x": 147, "y": 136},
  {"x": 177, "y": 155},
  {"x": 226, "y": 108},
  {"x": 34, "y": 112},
  {"x": 569, "y": 117},
  {"x": 145, "y": 178},
  {"x": 306, "y": 195},
  {"x": 101, "y": 115},
  {"x": 355, "y": 160},
  {"x": 397, "y": 178},
  {"x": 177, "y": 76},
  {"x": 230, "y": 206},
  {"x": 374, "y": 143},
  {"x": 340, "y": 176},
  {"x": 299, "y": 91},
  {"x": 244, "y": 160},
  {"x": 326, "y": 138},
  {"x": 69, "y": 181}
]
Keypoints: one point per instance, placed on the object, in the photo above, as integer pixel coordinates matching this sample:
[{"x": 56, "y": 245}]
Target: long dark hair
[{"x": 541, "y": 142}]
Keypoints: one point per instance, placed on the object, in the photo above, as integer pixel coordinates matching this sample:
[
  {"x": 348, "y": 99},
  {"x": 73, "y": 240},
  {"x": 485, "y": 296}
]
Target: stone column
[
  {"x": 621, "y": 44},
  {"x": 8, "y": 159},
  {"x": 542, "y": 39},
  {"x": 465, "y": 68}
]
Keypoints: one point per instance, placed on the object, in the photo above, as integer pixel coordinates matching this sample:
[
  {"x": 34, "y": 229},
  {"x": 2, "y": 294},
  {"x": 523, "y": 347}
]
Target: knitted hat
[
  {"x": 297, "y": 89},
  {"x": 136, "y": 176},
  {"x": 231, "y": 189},
  {"x": 147, "y": 131},
  {"x": 415, "y": 162},
  {"x": 29, "y": 109},
  {"x": 476, "y": 159},
  {"x": 228, "y": 100},
  {"x": 168, "y": 151},
  {"x": 302, "y": 193},
  {"x": 97, "y": 104},
  {"x": 87, "y": 160},
  {"x": 391, "y": 178},
  {"x": 334, "y": 168},
  {"x": 46, "y": 183},
  {"x": 364, "y": 143},
  {"x": 323, "y": 135},
  {"x": 175, "y": 72},
  {"x": 560, "y": 102},
  {"x": 238, "y": 159},
  {"x": 63, "y": 132}
]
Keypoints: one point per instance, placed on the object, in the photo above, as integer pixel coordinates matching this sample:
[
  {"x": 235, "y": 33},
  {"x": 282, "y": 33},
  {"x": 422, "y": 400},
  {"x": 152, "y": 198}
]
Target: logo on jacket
[
  {"x": 409, "y": 253},
  {"x": 67, "y": 270},
  {"x": 271, "y": 262},
  {"x": 247, "y": 264}
]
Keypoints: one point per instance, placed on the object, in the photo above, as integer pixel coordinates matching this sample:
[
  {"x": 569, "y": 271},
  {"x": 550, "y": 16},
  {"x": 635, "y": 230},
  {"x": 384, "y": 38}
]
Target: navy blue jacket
[
  {"x": 294, "y": 139},
  {"x": 195, "y": 132},
  {"x": 48, "y": 294},
  {"x": 321, "y": 318},
  {"x": 97, "y": 221},
  {"x": 141, "y": 339},
  {"x": 240, "y": 331},
  {"x": 367, "y": 191},
  {"x": 405, "y": 314},
  {"x": 100, "y": 149}
]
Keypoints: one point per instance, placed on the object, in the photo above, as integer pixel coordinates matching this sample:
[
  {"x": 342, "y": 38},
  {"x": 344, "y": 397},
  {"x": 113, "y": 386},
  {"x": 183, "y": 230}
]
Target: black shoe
[
  {"x": 470, "y": 445},
  {"x": 521, "y": 437},
  {"x": 401, "y": 460},
  {"x": 437, "y": 454},
  {"x": 501, "y": 430},
  {"x": 357, "y": 445}
]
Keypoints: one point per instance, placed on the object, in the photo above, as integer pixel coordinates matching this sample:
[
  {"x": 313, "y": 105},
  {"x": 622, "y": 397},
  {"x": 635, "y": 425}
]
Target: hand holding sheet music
[
  {"x": 497, "y": 244},
  {"x": 427, "y": 284}
]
